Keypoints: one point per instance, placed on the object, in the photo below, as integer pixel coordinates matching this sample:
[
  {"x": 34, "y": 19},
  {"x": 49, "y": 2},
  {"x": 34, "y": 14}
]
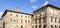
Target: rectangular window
[
  {"x": 17, "y": 15},
  {"x": 21, "y": 21},
  {"x": 25, "y": 21},
  {"x": 44, "y": 26},
  {"x": 55, "y": 26},
  {"x": 21, "y": 26},
  {"x": 36, "y": 26},
  {"x": 14, "y": 21},
  {"x": 10, "y": 14},
  {"x": 44, "y": 19},
  {"x": 39, "y": 20},
  {"x": 51, "y": 26},
  {"x": 33, "y": 26},
  {"x": 35, "y": 21},
  {"x": 59, "y": 26},
  {"x": 59, "y": 20},
  {"x": 28, "y": 21},
  {"x": 39, "y": 26},
  {"x": 21, "y": 16},
  {"x": 28, "y": 16},
  {"x": 55, "y": 19},
  {"x": 51, "y": 19}
]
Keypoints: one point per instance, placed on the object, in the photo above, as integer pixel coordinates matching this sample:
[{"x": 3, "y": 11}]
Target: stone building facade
[
  {"x": 47, "y": 16},
  {"x": 1, "y": 23},
  {"x": 14, "y": 19}
]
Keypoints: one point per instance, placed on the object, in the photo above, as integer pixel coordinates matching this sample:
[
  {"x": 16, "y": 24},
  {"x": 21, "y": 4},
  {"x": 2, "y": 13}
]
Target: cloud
[
  {"x": 1, "y": 14},
  {"x": 45, "y": 3},
  {"x": 53, "y": 0},
  {"x": 33, "y": 0},
  {"x": 34, "y": 7}
]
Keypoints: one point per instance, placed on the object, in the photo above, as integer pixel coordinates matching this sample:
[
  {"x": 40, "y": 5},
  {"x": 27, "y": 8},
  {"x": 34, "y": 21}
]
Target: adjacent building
[{"x": 47, "y": 16}]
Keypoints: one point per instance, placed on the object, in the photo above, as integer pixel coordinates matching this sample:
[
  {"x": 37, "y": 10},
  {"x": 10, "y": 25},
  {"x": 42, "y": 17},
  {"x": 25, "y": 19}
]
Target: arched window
[{"x": 51, "y": 26}]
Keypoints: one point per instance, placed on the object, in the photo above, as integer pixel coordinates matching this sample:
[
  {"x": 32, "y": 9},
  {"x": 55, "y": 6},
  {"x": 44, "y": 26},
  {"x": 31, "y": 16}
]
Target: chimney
[{"x": 16, "y": 8}]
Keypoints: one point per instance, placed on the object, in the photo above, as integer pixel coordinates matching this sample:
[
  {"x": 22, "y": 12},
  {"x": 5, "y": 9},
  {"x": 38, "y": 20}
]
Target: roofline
[
  {"x": 15, "y": 12},
  {"x": 46, "y": 6}
]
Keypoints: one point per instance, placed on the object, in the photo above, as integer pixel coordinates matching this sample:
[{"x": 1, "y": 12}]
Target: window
[
  {"x": 51, "y": 26},
  {"x": 28, "y": 16},
  {"x": 51, "y": 19},
  {"x": 5, "y": 22},
  {"x": 55, "y": 19},
  {"x": 21, "y": 26},
  {"x": 0, "y": 27},
  {"x": 38, "y": 15},
  {"x": 17, "y": 15},
  {"x": 59, "y": 26},
  {"x": 40, "y": 20},
  {"x": 35, "y": 26},
  {"x": 28, "y": 21},
  {"x": 59, "y": 20},
  {"x": 39, "y": 26},
  {"x": 21, "y": 21},
  {"x": 35, "y": 21},
  {"x": 55, "y": 26},
  {"x": 14, "y": 21},
  {"x": 44, "y": 19},
  {"x": 10, "y": 14},
  {"x": 25, "y": 21},
  {"x": 44, "y": 26},
  {"x": 21, "y": 16},
  {"x": 25, "y": 16}
]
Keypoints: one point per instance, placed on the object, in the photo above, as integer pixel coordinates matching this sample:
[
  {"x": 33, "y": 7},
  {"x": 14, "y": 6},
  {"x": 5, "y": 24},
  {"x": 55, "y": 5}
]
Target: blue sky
[{"x": 27, "y": 6}]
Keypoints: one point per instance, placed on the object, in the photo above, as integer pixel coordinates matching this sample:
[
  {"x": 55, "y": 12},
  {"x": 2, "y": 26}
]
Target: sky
[{"x": 27, "y": 6}]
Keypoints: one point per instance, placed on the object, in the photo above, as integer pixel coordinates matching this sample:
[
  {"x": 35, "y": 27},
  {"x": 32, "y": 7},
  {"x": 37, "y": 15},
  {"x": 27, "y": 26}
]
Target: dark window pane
[
  {"x": 39, "y": 26},
  {"x": 21, "y": 26},
  {"x": 44, "y": 26},
  {"x": 10, "y": 14},
  {"x": 36, "y": 26},
  {"x": 51, "y": 26},
  {"x": 59, "y": 20},
  {"x": 17, "y": 15}
]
